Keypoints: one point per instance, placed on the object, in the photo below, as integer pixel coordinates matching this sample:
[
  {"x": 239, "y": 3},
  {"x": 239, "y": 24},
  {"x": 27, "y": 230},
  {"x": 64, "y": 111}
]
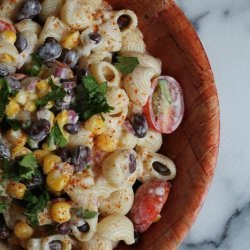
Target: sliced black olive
[
  {"x": 140, "y": 125},
  {"x": 84, "y": 228},
  {"x": 132, "y": 163},
  {"x": 3, "y": 70},
  {"x": 96, "y": 37},
  {"x": 123, "y": 21},
  {"x": 29, "y": 9},
  {"x": 160, "y": 168},
  {"x": 21, "y": 43}
]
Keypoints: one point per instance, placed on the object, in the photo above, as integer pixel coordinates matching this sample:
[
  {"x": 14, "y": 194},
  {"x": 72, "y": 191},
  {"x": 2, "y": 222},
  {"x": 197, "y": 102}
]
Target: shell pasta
[{"x": 83, "y": 110}]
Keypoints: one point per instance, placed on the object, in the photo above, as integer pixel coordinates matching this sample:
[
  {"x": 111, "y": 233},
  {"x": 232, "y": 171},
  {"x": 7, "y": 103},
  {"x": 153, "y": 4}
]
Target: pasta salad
[{"x": 83, "y": 107}]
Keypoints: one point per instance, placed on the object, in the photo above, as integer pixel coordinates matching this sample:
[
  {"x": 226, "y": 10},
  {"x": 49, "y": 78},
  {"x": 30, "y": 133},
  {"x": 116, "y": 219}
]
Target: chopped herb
[
  {"x": 14, "y": 124},
  {"x": 56, "y": 137},
  {"x": 91, "y": 98},
  {"x": 126, "y": 65},
  {"x": 5, "y": 91},
  {"x": 36, "y": 66},
  {"x": 24, "y": 169},
  {"x": 34, "y": 206},
  {"x": 55, "y": 95},
  {"x": 28, "y": 166},
  {"x": 2, "y": 207},
  {"x": 29, "y": 197},
  {"x": 85, "y": 214}
]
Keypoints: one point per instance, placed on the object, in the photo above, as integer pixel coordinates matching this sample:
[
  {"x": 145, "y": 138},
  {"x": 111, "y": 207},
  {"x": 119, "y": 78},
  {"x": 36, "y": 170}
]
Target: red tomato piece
[
  {"x": 165, "y": 107},
  {"x": 149, "y": 201},
  {"x": 6, "y": 26}
]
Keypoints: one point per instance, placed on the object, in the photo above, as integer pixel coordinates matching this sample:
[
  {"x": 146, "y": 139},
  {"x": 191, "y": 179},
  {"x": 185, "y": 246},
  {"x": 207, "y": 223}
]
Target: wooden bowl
[{"x": 194, "y": 146}]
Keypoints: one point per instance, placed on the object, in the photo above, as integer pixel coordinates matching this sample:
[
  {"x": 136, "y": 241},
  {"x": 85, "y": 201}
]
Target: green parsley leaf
[
  {"x": 28, "y": 167},
  {"x": 56, "y": 137},
  {"x": 54, "y": 95},
  {"x": 25, "y": 169},
  {"x": 2, "y": 207},
  {"x": 36, "y": 66},
  {"x": 126, "y": 65},
  {"x": 14, "y": 124},
  {"x": 85, "y": 214},
  {"x": 33, "y": 206},
  {"x": 29, "y": 197},
  {"x": 5, "y": 91},
  {"x": 91, "y": 99}
]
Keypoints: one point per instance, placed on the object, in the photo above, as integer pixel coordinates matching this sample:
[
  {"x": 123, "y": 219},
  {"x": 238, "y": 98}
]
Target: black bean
[
  {"x": 4, "y": 231},
  {"x": 29, "y": 9},
  {"x": 3, "y": 70},
  {"x": 4, "y": 151},
  {"x": 80, "y": 73},
  {"x": 49, "y": 51},
  {"x": 84, "y": 228},
  {"x": 132, "y": 163},
  {"x": 73, "y": 128},
  {"x": 50, "y": 39},
  {"x": 38, "y": 130},
  {"x": 13, "y": 83},
  {"x": 96, "y": 37},
  {"x": 21, "y": 43},
  {"x": 63, "y": 228},
  {"x": 160, "y": 168},
  {"x": 123, "y": 21},
  {"x": 55, "y": 245},
  {"x": 69, "y": 57},
  {"x": 81, "y": 158},
  {"x": 36, "y": 182},
  {"x": 64, "y": 154},
  {"x": 140, "y": 125}
]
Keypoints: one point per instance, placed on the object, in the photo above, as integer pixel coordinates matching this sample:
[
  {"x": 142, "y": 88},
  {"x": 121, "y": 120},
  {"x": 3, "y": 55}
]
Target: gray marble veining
[{"x": 224, "y": 29}]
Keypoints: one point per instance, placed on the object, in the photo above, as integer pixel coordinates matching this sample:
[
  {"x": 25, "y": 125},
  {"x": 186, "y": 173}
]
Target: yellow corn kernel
[
  {"x": 16, "y": 138},
  {"x": 56, "y": 180},
  {"x": 71, "y": 41},
  {"x": 43, "y": 88},
  {"x": 50, "y": 162},
  {"x": 49, "y": 105},
  {"x": 6, "y": 58},
  {"x": 16, "y": 190},
  {"x": 32, "y": 96},
  {"x": 19, "y": 151},
  {"x": 60, "y": 212},
  {"x": 30, "y": 106},
  {"x": 107, "y": 143},
  {"x": 62, "y": 119},
  {"x": 8, "y": 36},
  {"x": 23, "y": 231},
  {"x": 96, "y": 125},
  {"x": 41, "y": 154},
  {"x": 46, "y": 147},
  {"x": 21, "y": 97},
  {"x": 12, "y": 108}
]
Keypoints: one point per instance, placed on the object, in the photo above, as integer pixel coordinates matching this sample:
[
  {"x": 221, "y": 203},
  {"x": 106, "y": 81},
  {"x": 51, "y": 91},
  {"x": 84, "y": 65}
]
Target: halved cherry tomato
[
  {"x": 149, "y": 201},
  {"x": 165, "y": 107},
  {"x": 6, "y": 26}
]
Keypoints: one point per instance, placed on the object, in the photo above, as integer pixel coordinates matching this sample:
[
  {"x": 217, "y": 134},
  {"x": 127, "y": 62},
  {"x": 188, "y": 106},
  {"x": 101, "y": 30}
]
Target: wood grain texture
[{"x": 194, "y": 146}]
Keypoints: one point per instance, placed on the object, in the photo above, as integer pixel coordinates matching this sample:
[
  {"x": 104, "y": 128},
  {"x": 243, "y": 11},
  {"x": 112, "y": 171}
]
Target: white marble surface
[{"x": 224, "y": 29}]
